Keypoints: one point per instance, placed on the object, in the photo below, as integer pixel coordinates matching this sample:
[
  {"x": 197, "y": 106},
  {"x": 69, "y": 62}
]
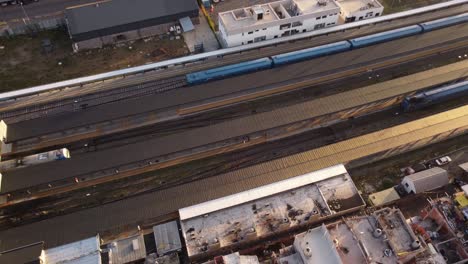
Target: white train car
[{"x": 49, "y": 156}]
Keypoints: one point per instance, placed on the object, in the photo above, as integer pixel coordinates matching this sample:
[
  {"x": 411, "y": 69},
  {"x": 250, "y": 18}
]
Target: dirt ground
[{"x": 25, "y": 63}]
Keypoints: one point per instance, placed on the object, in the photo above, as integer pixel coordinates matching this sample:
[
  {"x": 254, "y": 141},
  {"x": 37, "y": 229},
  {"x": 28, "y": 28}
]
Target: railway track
[
  {"x": 244, "y": 140},
  {"x": 171, "y": 115},
  {"x": 93, "y": 99},
  {"x": 72, "y": 93},
  {"x": 69, "y": 201}
]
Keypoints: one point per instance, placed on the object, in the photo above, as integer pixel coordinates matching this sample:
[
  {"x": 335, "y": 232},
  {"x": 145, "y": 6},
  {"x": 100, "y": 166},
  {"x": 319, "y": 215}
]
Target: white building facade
[
  {"x": 355, "y": 10},
  {"x": 275, "y": 20}
]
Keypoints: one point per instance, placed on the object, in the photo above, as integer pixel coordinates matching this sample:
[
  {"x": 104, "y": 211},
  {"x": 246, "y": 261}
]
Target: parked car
[{"x": 443, "y": 160}]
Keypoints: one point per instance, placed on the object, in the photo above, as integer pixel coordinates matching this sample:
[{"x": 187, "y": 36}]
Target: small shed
[
  {"x": 127, "y": 250},
  {"x": 167, "y": 238},
  {"x": 425, "y": 180}
]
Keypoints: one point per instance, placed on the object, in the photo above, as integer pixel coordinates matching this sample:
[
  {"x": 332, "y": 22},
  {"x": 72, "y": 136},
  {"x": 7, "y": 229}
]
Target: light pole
[{"x": 25, "y": 14}]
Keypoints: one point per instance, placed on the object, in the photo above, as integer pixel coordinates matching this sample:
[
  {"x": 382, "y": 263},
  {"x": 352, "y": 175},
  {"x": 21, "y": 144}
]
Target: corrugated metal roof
[
  {"x": 86, "y": 251},
  {"x": 260, "y": 192},
  {"x": 427, "y": 180},
  {"x": 99, "y": 160},
  {"x": 56, "y": 231},
  {"x": 167, "y": 237},
  {"x": 127, "y": 250},
  {"x": 106, "y": 14}
]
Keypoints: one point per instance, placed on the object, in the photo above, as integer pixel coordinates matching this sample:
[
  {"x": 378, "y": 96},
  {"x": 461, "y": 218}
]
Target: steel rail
[{"x": 219, "y": 53}]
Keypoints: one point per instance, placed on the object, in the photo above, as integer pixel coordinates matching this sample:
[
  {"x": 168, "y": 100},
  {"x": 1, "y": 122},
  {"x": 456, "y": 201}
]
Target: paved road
[{"x": 43, "y": 8}]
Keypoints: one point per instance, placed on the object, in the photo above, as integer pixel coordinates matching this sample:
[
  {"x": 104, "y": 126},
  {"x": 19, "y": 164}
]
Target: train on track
[
  {"x": 49, "y": 156},
  {"x": 310, "y": 53},
  {"x": 434, "y": 96}
]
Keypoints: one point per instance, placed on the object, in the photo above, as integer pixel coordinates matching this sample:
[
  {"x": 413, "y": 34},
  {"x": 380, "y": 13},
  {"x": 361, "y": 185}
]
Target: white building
[
  {"x": 425, "y": 180},
  {"x": 354, "y": 10},
  {"x": 275, "y": 20}
]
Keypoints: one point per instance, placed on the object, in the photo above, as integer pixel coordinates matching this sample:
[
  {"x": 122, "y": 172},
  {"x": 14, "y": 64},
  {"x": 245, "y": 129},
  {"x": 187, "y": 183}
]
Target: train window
[
  {"x": 377, "y": 14},
  {"x": 250, "y": 41},
  {"x": 264, "y": 29},
  {"x": 250, "y": 32},
  {"x": 317, "y": 18},
  {"x": 324, "y": 16}
]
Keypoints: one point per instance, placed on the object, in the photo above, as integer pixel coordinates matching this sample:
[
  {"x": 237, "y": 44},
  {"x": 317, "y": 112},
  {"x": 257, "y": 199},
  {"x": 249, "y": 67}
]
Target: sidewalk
[{"x": 201, "y": 34}]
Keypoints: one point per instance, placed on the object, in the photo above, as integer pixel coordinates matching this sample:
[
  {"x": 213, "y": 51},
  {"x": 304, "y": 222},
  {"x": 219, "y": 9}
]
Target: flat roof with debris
[
  {"x": 257, "y": 213},
  {"x": 384, "y": 197},
  {"x": 316, "y": 246},
  {"x": 357, "y": 239},
  {"x": 127, "y": 250}
]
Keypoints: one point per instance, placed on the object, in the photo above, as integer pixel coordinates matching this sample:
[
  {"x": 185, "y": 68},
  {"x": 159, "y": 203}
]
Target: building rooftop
[
  {"x": 357, "y": 239},
  {"x": 384, "y": 197},
  {"x": 274, "y": 11},
  {"x": 167, "y": 237},
  {"x": 108, "y": 14},
  {"x": 428, "y": 179},
  {"x": 127, "y": 250},
  {"x": 86, "y": 251},
  {"x": 316, "y": 246},
  {"x": 236, "y": 258},
  {"x": 351, "y": 6},
  {"x": 266, "y": 210}
]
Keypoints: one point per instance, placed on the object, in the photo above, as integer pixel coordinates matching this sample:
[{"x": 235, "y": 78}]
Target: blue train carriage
[
  {"x": 444, "y": 22},
  {"x": 441, "y": 94},
  {"x": 310, "y": 53},
  {"x": 385, "y": 36},
  {"x": 229, "y": 70}
]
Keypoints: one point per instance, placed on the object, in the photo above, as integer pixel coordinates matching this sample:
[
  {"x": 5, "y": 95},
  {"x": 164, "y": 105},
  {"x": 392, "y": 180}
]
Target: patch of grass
[{"x": 23, "y": 63}]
